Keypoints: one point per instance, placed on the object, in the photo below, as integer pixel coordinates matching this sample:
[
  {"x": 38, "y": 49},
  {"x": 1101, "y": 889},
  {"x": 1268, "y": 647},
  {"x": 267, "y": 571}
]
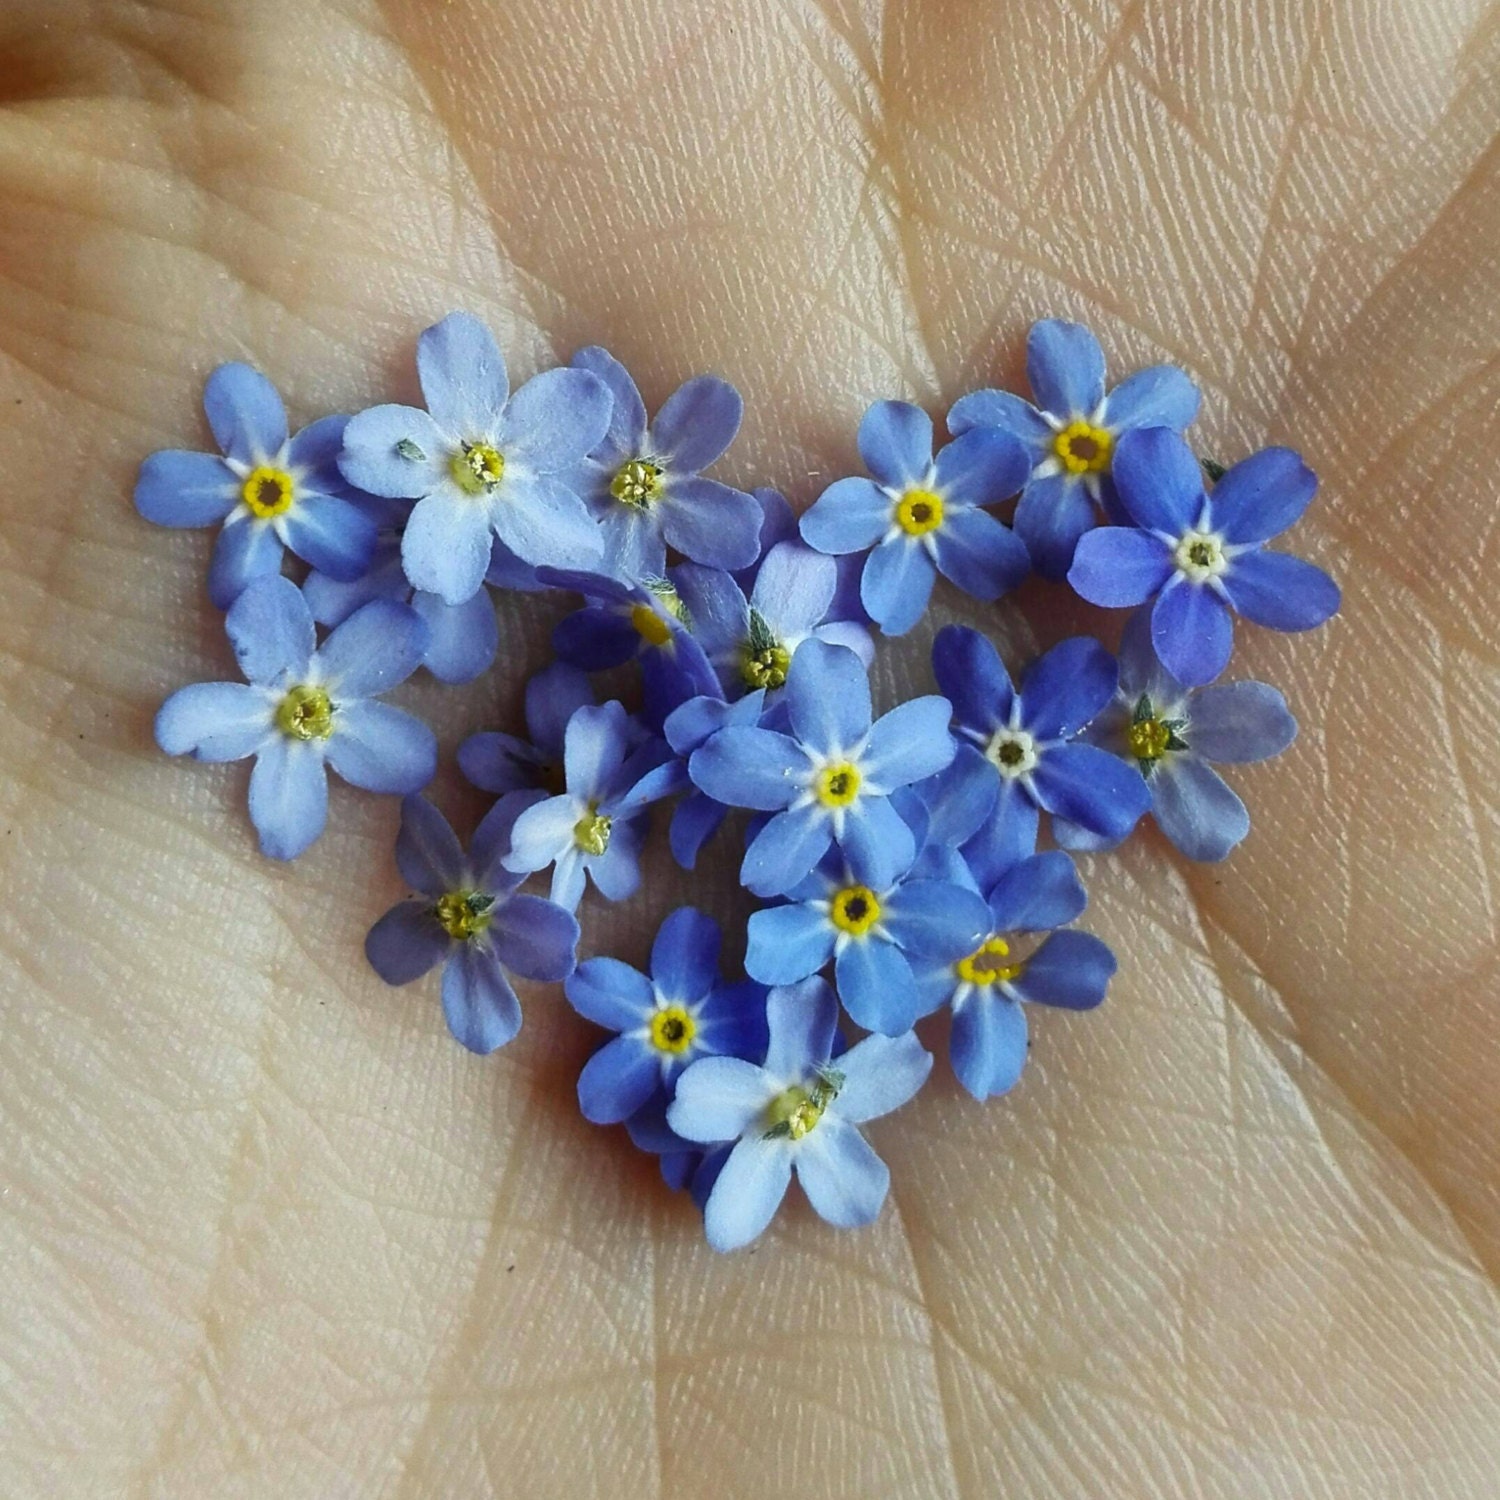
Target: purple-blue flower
[
  {"x": 596, "y": 826},
  {"x": 468, "y": 916},
  {"x": 800, "y": 1112},
  {"x": 1171, "y": 734},
  {"x": 1029, "y": 737},
  {"x": 1071, "y": 433},
  {"x": 481, "y": 462},
  {"x": 829, "y": 779},
  {"x": 922, "y": 515},
  {"x": 696, "y": 817},
  {"x": 751, "y": 641},
  {"x": 271, "y": 492},
  {"x": 875, "y": 927},
  {"x": 1202, "y": 557},
  {"x": 501, "y": 763},
  {"x": 986, "y": 987},
  {"x": 304, "y": 708},
  {"x": 665, "y": 1021},
  {"x": 644, "y": 485}
]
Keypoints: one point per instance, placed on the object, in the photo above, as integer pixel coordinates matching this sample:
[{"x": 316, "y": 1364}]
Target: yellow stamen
[
  {"x": 837, "y": 785},
  {"x": 854, "y": 910},
  {"x": 638, "y": 483},
  {"x": 268, "y": 492},
  {"x": 464, "y": 914},
  {"x": 798, "y": 1110},
  {"x": 982, "y": 968},
  {"x": 765, "y": 668},
  {"x": 1148, "y": 739},
  {"x": 591, "y": 832},
  {"x": 305, "y": 713},
  {"x": 477, "y": 468},
  {"x": 919, "y": 511},
  {"x": 650, "y": 626},
  {"x": 672, "y": 1030},
  {"x": 1083, "y": 448}
]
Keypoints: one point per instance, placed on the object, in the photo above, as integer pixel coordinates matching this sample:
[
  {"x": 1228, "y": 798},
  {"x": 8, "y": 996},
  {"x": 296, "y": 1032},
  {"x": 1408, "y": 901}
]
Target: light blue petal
[
  {"x": 545, "y": 524},
  {"x": 803, "y": 1021},
  {"x": 849, "y": 516},
  {"x": 1064, "y": 690},
  {"x": 896, "y": 584},
  {"x": 394, "y": 451},
  {"x": 1159, "y": 481},
  {"x": 719, "y": 1098},
  {"x": 406, "y": 942},
  {"x": 461, "y": 638},
  {"x": 332, "y": 603},
  {"x": 627, "y": 421},
  {"x": 568, "y": 879},
  {"x": 988, "y": 1044},
  {"x": 695, "y": 722},
  {"x": 828, "y": 697},
  {"x": 1262, "y": 495},
  {"x": 617, "y": 872},
  {"x": 507, "y": 571},
  {"x": 785, "y": 850},
  {"x": 378, "y": 646},
  {"x": 1196, "y": 810},
  {"x": 553, "y": 695},
  {"x": 1193, "y": 632},
  {"x": 611, "y": 994},
  {"x": 1065, "y": 367},
  {"x": 428, "y": 853},
  {"x": 1239, "y": 722},
  {"x": 332, "y": 535},
  {"x": 1053, "y": 513},
  {"x": 749, "y": 1190},
  {"x": 176, "y": 488},
  {"x": 931, "y": 919},
  {"x": 632, "y": 542},
  {"x": 1000, "y": 409},
  {"x": 271, "y": 630},
  {"x": 1279, "y": 591},
  {"x": 316, "y": 448},
  {"x": 909, "y": 743},
  {"x": 685, "y": 955},
  {"x": 973, "y": 678},
  {"x": 787, "y": 943},
  {"x": 492, "y": 841},
  {"x": 1140, "y": 670},
  {"x": 617, "y": 1080},
  {"x": 711, "y": 523},
  {"x": 1158, "y": 396},
  {"x": 876, "y": 841},
  {"x": 1117, "y": 566},
  {"x": 881, "y": 1073},
  {"x": 895, "y": 441},
  {"x": 717, "y": 607},
  {"x": 1037, "y": 894},
  {"x": 850, "y": 636},
  {"x": 794, "y": 589},
  {"x": 980, "y": 555},
  {"x": 844, "y": 1180},
  {"x": 244, "y": 551},
  {"x": 381, "y": 748},
  {"x": 1009, "y": 836},
  {"x": 288, "y": 796},
  {"x": 695, "y": 820},
  {"x": 245, "y": 413},
  {"x": 982, "y": 467},
  {"x": 697, "y": 423},
  {"x": 594, "y": 748},
  {"x": 960, "y": 798},
  {"x": 1090, "y": 786},
  {"x": 553, "y": 421},
  {"x": 215, "y": 721},
  {"x": 876, "y": 985},
  {"x": 542, "y": 833},
  {"x": 754, "y": 768},
  {"x": 445, "y": 548},
  {"x": 1071, "y": 969},
  {"x": 479, "y": 1004},
  {"x": 463, "y": 377}
]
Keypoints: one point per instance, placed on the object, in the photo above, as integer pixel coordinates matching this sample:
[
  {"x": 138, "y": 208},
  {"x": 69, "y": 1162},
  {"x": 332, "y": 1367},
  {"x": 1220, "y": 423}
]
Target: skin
[{"x": 266, "y": 1231}]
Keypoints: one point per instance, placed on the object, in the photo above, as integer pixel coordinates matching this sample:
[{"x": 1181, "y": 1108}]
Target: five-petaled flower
[
  {"x": 665, "y": 1021},
  {"x": 271, "y": 491},
  {"x": 799, "y": 1112},
  {"x": 922, "y": 515},
  {"x": 829, "y": 779},
  {"x": 1202, "y": 556},
  {"x": 481, "y": 462},
  {"x": 303, "y": 707},
  {"x": 468, "y": 916},
  {"x": 644, "y": 485},
  {"x": 1071, "y": 433}
]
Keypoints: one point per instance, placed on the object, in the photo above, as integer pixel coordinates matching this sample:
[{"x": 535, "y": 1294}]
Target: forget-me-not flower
[
  {"x": 303, "y": 708},
  {"x": 596, "y": 826},
  {"x": 922, "y": 515},
  {"x": 1029, "y": 737},
  {"x": 644, "y": 485},
  {"x": 468, "y": 916},
  {"x": 271, "y": 491},
  {"x": 665, "y": 1021},
  {"x": 875, "y": 927},
  {"x": 799, "y": 1113},
  {"x": 829, "y": 779},
  {"x": 1202, "y": 556},
  {"x": 1071, "y": 432},
  {"x": 481, "y": 462}
]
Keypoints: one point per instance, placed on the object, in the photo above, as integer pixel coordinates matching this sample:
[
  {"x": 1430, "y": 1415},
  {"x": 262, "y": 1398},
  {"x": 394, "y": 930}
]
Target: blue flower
[
  {"x": 596, "y": 826},
  {"x": 503, "y": 763},
  {"x": 1171, "y": 734},
  {"x": 270, "y": 491},
  {"x": 874, "y": 927},
  {"x": 1071, "y": 433},
  {"x": 751, "y": 641},
  {"x": 1028, "y": 737},
  {"x": 799, "y": 1112},
  {"x": 304, "y": 707},
  {"x": 665, "y": 1022},
  {"x": 830, "y": 778},
  {"x": 481, "y": 462},
  {"x": 696, "y": 817},
  {"x": 643, "y": 482},
  {"x": 468, "y": 917},
  {"x": 1200, "y": 556},
  {"x": 922, "y": 515},
  {"x": 1041, "y": 893}
]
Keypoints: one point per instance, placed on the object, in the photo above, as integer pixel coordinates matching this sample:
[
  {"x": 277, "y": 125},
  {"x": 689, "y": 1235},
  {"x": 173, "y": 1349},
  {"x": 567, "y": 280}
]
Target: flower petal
[
  {"x": 983, "y": 557},
  {"x": 445, "y": 548},
  {"x": 461, "y": 638},
  {"x": 271, "y": 630},
  {"x": 908, "y": 743},
  {"x": 617, "y": 872},
  {"x": 1064, "y": 690},
  {"x": 406, "y": 942},
  {"x": 1009, "y": 836},
  {"x": 1070, "y": 969},
  {"x": 381, "y": 748},
  {"x": 593, "y": 640},
  {"x": 627, "y": 420},
  {"x": 877, "y": 987},
  {"x": 785, "y": 850},
  {"x": 960, "y": 798},
  {"x": 479, "y": 1004},
  {"x": 696, "y": 424},
  {"x": 1159, "y": 481},
  {"x": 215, "y": 721},
  {"x": 553, "y": 421},
  {"x": 1158, "y": 396},
  {"x": 1236, "y": 723},
  {"x": 332, "y": 603},
  {"x": 695, "y": 820},
  {"x": 315, "y": 450},
  {"x": 463, "y": 378},
  {"x": 428, "y": 853},
  {"x": 749, "y": 1190},
  {"x": 895, "y": 442},
  {"x": 617, "y": 1080},
  {"x": 685, "y": 955},
  {"x": 876, "y": 841},
  {"x": 1262, "y": 495},
  {"x": 542, "y": 833},
  {"x": 176, "y": 488},
  {"x": 845, "y": 1181},
  {"x": 1196, "y": 809},
  {"x": 499, "y": 763},
  {"x": 491, "y": 843},
  {"x": 378, "y": 646},
  {"x": 849, "y": 516},
  {"x": 754, "y": 768},
  {"x": 1141, "y": 671},
  {"x": 332, "y": 535},
  {"x": 534, "y": 938},
  {"x": 1053, "y": 513},
  {"x": 1065, "y": 367},
  {"x": 1119, "y": 566},
  {"x": 394, "y": 451},
  {"x": 1193, "y": 633},
  {"x": 244, "y": 551},
  {"x": 611, "y": 994},
  {"x": 594, "y": 748},
  {"x": 288, "y": 796},
  {"x": 1090, "y": 786},
  {"x": 897, "y": 583},
  {"x": 794, "y": 589},
  {"x": 1279, "y": 591},
  {"x": 787, "y": 943},
  {"x": 881, "y": 1073},
  {"x": 545, "y": 524},
  {"x": 932, "y": 919},
  {"x": 828, "y": 697},
  {"x": 1037, "y": 894},
  {"x": 245, "y": 413},
  {"x": 973, "y": 678},
  {"x": 803, "y": 1021},
  {"x": 719, "y": 1098},
  {"x": 711, "y": 523},
  {"x": 988, "y": 1044},
  {"x": 1001, "y": 409},
  {"x": 982, "y": 467}
]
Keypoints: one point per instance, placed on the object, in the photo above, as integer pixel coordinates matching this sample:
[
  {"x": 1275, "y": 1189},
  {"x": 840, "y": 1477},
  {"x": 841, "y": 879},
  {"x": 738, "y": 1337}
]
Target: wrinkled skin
[{"x": 267, "y": 1231}]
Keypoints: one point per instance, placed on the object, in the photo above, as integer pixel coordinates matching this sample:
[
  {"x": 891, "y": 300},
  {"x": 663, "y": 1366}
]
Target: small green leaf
[{"x": 409, "y": 450}]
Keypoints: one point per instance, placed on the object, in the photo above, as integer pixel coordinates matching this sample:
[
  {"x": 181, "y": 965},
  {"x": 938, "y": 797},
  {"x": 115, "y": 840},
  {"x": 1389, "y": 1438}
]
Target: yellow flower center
[
  {"x": 796, "y": 1110},
  {"x": 477, "y": 468},
  {"x": 765, "y": 668},
  {"x": 637, "y": 483},
  {"x": 672, "y": 1030},
  {"x": 919, "y": 511},
  {"x": 1083, "y": 448},
  {"x": 983, "y": 966},
  {"x": 268, "y": 492},
  {"x": 650, "y": 626},
  {"x": 305, "y": 713},
  {"x": 837, "y": 786},
  {"x": 1200, "y": 555},
  {"x": 1148, "y": 739},
  {"x": 464, "y": 914},
  {"x": 854, "y": 910},
  {"x": 591, "y": 832}
]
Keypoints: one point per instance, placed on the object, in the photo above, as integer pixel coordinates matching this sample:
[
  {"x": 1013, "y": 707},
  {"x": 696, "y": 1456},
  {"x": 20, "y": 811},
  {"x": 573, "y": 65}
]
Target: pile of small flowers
[{"x": 895, "y": 856}]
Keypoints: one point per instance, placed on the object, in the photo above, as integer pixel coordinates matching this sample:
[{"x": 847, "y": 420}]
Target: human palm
[{"x": 266, "y": 1230}]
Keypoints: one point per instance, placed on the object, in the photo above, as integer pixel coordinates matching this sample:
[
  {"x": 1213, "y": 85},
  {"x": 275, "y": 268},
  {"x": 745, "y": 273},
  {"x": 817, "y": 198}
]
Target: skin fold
[{"x": 265, "y": 1230}]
